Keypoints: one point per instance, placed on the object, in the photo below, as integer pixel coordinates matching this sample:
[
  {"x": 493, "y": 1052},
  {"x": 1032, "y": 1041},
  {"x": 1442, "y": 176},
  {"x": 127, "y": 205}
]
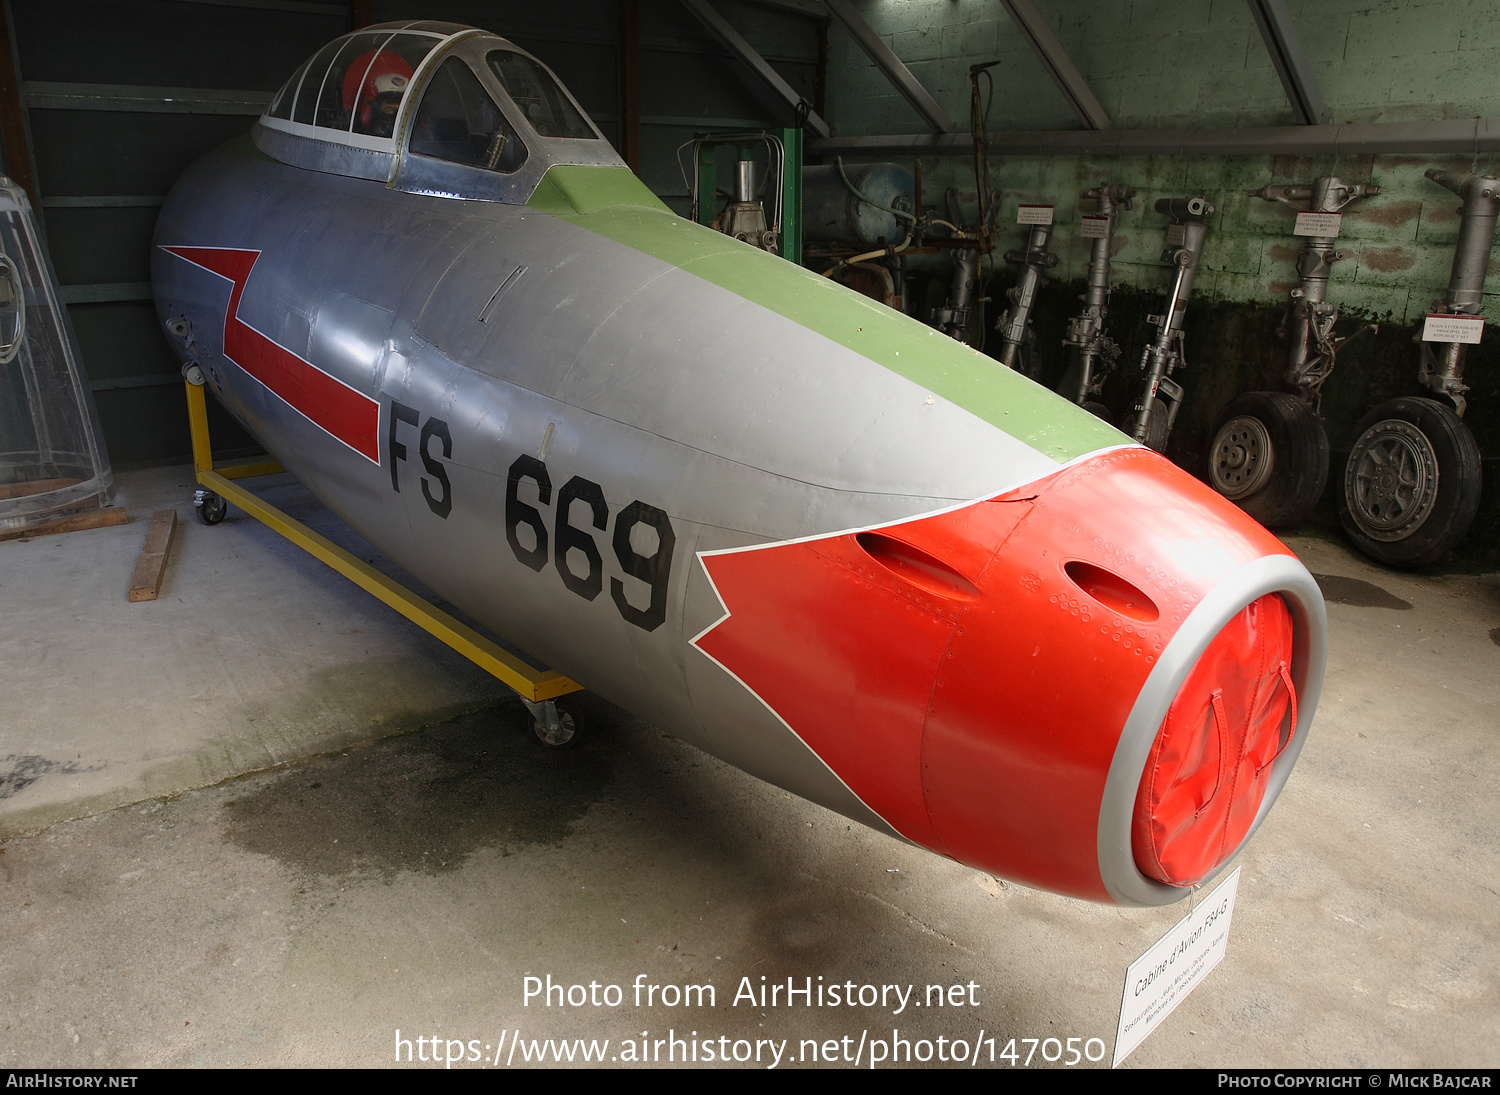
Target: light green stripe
[{"x": 612, "y": 202}]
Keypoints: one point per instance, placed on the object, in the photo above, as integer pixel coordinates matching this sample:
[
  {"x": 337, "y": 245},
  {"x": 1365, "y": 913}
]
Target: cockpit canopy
[{"x": 431, "y": 108}]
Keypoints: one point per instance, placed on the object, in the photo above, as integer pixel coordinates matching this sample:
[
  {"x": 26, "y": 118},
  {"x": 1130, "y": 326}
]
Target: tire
[
  {"x": 1410, "y": 490},
  {"x": 1156, "y": 425},
  {"x": 209, "y": 507},
  {"x": 1099, "y": 410},
  {"x": 1269, "y": 456}
]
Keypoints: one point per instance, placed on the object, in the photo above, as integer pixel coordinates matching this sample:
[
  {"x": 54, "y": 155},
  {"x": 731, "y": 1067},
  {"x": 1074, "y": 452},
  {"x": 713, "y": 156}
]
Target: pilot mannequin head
[
  {"x": 373, "y": 88},
  {"x": 388, "y": 91}
]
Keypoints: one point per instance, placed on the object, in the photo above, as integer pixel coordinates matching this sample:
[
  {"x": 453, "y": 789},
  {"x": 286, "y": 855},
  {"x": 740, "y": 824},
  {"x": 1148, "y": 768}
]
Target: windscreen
[
  {"x": 459, "y": 122},
  {"x": 550, "y": 112}
]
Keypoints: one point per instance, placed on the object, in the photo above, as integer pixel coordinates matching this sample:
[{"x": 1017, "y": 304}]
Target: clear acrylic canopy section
[
  {"x": 52, "y": 457},
  {"x": 430, "y": 108}
]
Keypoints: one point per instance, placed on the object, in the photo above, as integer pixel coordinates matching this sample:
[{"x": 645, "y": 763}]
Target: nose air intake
[{"x": 1209, "y": 767}]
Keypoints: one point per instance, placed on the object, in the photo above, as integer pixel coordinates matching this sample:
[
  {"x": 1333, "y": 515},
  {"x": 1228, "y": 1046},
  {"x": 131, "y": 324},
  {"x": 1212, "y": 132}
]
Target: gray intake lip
[{"x": 1281, "y": 574}]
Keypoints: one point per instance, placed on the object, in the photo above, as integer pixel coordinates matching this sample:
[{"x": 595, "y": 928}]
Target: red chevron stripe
[{"x": 349, "y": 415}]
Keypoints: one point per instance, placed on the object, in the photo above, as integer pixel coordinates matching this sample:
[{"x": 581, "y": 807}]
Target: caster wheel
[
  {"x": 209, "y": 507},
  {"x": 1156, "y": 425},
  {"x": 558, "y": 735},
  {"x": 1269, "y": 456},
  {"x": 1411, "y": 488}
]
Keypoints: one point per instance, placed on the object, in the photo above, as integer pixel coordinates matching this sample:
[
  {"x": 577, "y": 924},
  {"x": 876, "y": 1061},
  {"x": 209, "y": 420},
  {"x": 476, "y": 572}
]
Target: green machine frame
[{"x": 708, "y": 145}]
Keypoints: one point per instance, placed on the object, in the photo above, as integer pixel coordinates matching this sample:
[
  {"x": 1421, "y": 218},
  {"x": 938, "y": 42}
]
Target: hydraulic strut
[
  {"x": 1150, "y": 420},
  {"x": 1097, "y": 353},
  {"x": 1442, "y": 366},
  {"x": 1014, "y": 323},
  {"x": 1310, "y": 315}
]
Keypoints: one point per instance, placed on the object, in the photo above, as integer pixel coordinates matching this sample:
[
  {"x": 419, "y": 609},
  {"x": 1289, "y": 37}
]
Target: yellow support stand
[{"x": 535, "y": 685}]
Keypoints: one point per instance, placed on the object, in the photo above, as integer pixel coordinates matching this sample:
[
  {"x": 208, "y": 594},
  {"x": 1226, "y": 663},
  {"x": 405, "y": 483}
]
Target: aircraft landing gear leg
[
  {"x": 550, "y": 726},
  {"x": 209, "y": 507}
]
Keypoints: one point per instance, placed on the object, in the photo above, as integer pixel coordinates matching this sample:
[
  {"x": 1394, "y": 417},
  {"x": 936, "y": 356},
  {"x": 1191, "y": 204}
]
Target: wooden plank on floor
[
  {"x": 112, "y": 515},
  {"x": 145, "y": 583},
  {"x": 35, "y": 486}
]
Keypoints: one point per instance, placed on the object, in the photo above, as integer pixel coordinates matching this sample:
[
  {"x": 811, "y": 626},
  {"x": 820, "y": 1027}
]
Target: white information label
[
  {"x": 1161, "y": 978},
  {"x": 1318, "y": 224},
  {"x": 1034, "y": 214},
  {"x": 1441, "y": 328},
  {"x": 1094, "y": 228}
]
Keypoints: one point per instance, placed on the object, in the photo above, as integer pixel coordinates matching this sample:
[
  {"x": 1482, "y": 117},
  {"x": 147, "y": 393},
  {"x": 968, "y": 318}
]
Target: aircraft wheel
[
  {"x": 1098, "y": 410},
  {"x": 564, "y": 732},
  {"x": 1270, "y": 457},
  {"x": 1411, "y": 487},
  {"x": 209, "y": 507},
  {"x": 1156, "y": 425}
]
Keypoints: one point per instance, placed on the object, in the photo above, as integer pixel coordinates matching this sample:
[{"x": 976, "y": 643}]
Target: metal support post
[
  {"x": 887, "y": 61},
  {"x": 770, "y": 79},
  {"x": 1057, "y": 63},
  {"x": 1290, "y": 60}
]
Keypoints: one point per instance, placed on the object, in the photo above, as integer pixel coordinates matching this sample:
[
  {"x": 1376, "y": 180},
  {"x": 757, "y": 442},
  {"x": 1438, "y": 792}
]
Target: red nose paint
[{"x": 969, "y": 674}]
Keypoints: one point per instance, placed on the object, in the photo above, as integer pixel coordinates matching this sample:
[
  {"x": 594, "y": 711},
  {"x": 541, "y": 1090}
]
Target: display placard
[
  {"x": 1318, "y": 224},
  {"x": 1448, "y": 328},
  {"x": 1034, "y": 214},
  {"x": 1175, "y": 965},
  {"x": 1094, "y": 228}
]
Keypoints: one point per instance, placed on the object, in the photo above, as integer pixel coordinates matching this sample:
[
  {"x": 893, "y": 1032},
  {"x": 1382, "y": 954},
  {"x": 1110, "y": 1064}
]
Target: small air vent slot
[
  {"x": 917, "y": 567},
  {"x": 1112, "y": 591}
]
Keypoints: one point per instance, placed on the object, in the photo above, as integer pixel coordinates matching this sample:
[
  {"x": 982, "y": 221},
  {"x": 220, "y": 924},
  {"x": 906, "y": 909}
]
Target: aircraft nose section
[
  {"x": 1131, "y": 696},
  {"x": 1096, "y": 684}
]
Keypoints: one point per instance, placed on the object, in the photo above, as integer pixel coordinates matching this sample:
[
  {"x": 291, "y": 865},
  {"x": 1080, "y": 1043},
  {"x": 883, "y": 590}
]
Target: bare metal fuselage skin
[
  {"x": 830, "y": 546},
  {"x": 598, "y": 362}
]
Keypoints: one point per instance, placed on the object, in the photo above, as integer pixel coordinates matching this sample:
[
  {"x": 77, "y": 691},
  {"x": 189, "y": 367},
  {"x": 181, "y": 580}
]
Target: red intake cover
[{"x": 1211, "y": 762}]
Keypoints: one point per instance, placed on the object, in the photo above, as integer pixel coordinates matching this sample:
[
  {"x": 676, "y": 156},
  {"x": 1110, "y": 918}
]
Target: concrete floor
[{"x": 264, "y": 821}]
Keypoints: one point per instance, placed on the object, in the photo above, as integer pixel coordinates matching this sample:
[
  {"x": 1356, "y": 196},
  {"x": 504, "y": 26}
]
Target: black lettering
[
  {"x": 654, "y": 569},
  {"x": 436, "y": 427},
  {"x": 569, "y": 538},
  {"x": 395, "y": 450},
  {"x": 518, "y": 513}
]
